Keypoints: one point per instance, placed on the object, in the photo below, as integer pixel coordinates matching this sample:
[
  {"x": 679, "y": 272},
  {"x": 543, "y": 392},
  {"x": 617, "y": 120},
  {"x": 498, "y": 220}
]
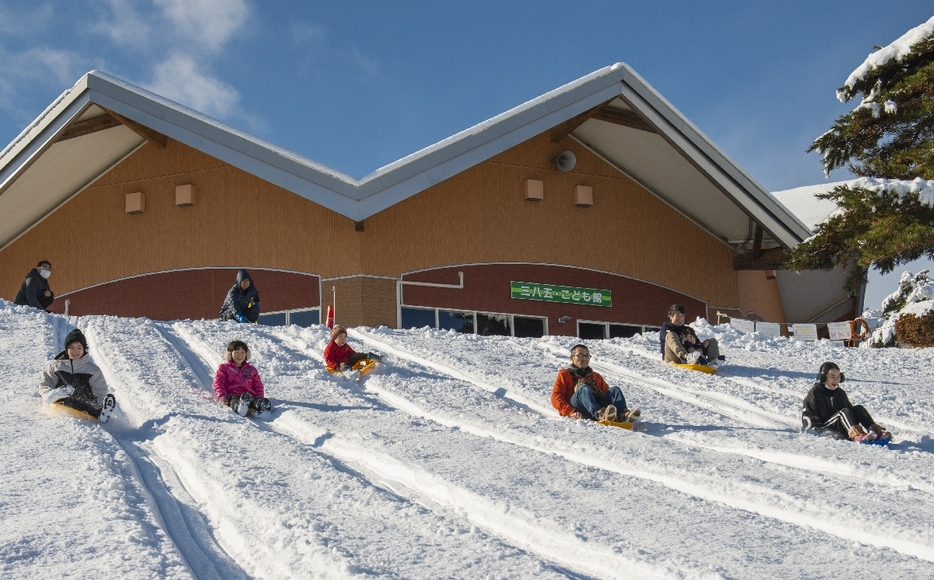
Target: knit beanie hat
[
  {"x": 337, "y": 331},
  {"x": 76, "y": 336}
]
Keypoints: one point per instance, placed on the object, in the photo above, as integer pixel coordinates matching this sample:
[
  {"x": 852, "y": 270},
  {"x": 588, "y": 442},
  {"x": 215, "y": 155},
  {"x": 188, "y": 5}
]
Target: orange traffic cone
[{"x": 330, "y": 321}]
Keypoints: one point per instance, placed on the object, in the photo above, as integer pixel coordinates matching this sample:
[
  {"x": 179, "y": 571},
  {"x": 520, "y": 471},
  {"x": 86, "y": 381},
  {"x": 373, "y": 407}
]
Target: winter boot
[
  {"x": 632, "y": 415},
  {"x": 262, "y": 405},
  {"x": 243, "y": 405},
  {"x": 107, "y": 408},
  {"x": 858, "y": 434},
  {"x": 609, "y": 414},
  {"x": 880, "y": 432}
]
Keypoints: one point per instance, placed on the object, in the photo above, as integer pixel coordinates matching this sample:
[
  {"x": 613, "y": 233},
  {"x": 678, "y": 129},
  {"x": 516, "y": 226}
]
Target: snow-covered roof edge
[
  {"x": 803, "y": 201},
  {"x": 412, "y": 174}
]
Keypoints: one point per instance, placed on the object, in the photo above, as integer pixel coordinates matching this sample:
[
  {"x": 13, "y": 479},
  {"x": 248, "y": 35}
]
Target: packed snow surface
[{"x": 450, "y": 462}]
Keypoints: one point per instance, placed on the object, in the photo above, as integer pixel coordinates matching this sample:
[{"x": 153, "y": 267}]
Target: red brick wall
[
  {"x": 190, "y": 294},
  {"x": 486, "y": 289}
]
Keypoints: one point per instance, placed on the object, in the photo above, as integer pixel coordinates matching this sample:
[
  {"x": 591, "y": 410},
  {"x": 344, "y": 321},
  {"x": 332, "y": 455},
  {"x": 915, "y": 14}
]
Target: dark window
[
  {"x": 275, "y": 319},
  {"x": 590, "y": 331},
  {"x": 459, "y": 321},
  {"x": 305, "y": 317},
  {"x": 417, "y": 318},
  {"x": 529, "y": 327},
  {"x": 493, "y": 324},
  {"x": 624, "y": 330}
]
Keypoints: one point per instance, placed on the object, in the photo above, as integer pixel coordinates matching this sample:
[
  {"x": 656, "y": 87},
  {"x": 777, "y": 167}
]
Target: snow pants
[
  {"x": 844, "y": 419},
  {"x": 586, "y": 402},
  {"x": 82, "y": 405},
  {"x": 675, "y": 351}
]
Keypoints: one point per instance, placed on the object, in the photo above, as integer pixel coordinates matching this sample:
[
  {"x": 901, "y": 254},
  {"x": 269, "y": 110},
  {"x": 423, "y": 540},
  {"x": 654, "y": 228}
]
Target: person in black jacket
[
  {"x": 35, "y": 290},
  {"x": 242, "y": 302},
  {"x": 828, "y": 410},
  {"x": 672, "y": 336}
]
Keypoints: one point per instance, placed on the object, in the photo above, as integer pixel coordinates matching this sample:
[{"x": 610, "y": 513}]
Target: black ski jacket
[
  {"x": 32, "y": 292},
  {"x": 821, "y": 404},
  {"x": 240, "y": 301}
]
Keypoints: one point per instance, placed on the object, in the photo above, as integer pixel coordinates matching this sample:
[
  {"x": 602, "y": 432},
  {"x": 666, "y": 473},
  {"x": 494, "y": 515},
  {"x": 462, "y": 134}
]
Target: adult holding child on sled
[
  {"x": 581, "y": 393},
  {"x": 679, "y": 343}
]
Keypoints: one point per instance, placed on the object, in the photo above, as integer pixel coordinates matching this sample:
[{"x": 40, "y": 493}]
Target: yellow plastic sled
[
  {"x": 61, "y": 410},
  {"x": 627, "y": 426},
  {"x": 361, "y": 368},
  {"x": 701, "y": 368}
]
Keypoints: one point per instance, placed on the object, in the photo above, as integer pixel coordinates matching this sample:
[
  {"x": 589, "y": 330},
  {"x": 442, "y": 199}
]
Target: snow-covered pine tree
[{"x": 888, "y": 136}]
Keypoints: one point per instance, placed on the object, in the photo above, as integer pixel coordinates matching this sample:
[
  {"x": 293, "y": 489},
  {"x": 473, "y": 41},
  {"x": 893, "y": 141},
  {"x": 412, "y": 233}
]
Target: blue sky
[{"x": 358, "y": 85}]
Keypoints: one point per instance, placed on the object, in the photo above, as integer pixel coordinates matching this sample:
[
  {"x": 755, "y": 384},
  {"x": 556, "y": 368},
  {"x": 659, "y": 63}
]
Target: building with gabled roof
[{"x": 148, "y": 208}]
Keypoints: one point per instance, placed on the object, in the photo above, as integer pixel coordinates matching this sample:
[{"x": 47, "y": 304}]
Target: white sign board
[
  {"x": 805, "y": 331},
  {"x": 839, "y": 330},
  {"x": 770, "y": 329},
  {"x": 743, "y": 325}
]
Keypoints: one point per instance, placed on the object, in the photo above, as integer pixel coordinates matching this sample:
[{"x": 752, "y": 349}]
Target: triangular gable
[{"x": 71, "y": 161}]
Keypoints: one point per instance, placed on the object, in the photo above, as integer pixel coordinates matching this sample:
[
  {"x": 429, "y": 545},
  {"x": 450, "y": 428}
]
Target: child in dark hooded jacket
[
  {"x": 242, "y": 302},
  {"x": 73, "y": 380}
]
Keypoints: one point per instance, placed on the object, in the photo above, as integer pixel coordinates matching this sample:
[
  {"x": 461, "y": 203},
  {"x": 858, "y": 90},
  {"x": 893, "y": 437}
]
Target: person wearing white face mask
[{"x": 35, "y": 290}]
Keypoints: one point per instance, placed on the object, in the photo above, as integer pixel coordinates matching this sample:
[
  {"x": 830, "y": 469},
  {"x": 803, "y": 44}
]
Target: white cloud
[
  {"x": 41, "y": 63},
  {"x": 125, "y": 25},
  {"x": 23, "y": 22},
  {"x": 303, "y": 33},
  {"x": 181, "y": 79},
  {"x": 211, "y": 23}
]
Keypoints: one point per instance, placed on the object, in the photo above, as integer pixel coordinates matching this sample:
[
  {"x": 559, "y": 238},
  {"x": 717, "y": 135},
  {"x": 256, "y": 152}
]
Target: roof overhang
[{"x": 615, "y": 113}]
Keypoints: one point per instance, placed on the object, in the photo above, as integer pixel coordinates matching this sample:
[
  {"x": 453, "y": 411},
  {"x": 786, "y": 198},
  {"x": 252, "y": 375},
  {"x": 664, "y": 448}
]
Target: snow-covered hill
[{"x": 450, "y": 462}]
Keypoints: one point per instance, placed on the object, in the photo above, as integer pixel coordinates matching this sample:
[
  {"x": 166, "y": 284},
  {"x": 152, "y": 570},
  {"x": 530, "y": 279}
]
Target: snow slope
[{"x": 449, "y": 461}]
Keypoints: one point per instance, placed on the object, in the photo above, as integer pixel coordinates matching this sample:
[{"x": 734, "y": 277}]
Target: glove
[
  {"x": 373, "y": 356},
  {"x": 241, "y": 318},
  {"x": 344, "y": 367},
  {"x": 58, "y": 394}
]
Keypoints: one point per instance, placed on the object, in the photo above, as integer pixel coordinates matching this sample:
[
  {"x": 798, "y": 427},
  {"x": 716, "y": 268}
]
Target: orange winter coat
[{"x": 563, "y": 390}]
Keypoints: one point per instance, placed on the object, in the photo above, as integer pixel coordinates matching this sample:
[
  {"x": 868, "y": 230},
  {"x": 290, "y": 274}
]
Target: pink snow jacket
[{"x": 232, "y": 380}]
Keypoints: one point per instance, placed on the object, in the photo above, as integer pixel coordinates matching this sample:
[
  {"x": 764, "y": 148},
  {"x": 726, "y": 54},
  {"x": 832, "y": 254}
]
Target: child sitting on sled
[
  {"x": 340, "y": 357},
  {"x": 72, "y": 380},
  {"x": 828, "y": 411},
  {"x": 237, "y": 382},
  {"x": 692, "y": 345}
]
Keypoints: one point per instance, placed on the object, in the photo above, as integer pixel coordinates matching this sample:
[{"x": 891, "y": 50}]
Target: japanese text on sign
[{"x": 564, "y": 294}]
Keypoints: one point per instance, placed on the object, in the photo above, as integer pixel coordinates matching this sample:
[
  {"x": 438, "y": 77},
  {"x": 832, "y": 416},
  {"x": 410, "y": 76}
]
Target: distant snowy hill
[{"x": 449, "y": 461}]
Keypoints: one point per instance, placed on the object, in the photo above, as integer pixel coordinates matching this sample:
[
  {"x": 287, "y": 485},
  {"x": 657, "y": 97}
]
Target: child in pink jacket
[{"x": 237, "y": 382}]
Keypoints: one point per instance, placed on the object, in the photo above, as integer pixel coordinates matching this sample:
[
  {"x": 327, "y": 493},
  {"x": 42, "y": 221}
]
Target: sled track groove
[
  {"x": 415, "y": 485},
  {"x": 695, "y": 489},
  {"x": 183, "y": 525}
]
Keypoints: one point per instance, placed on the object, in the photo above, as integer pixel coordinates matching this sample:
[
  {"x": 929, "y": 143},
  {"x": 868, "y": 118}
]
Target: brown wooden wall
[
  {"x": 487, "y": 289},
  {"x": 361, "y": 300},
  {"x": 481, "y": 215},
  {"x": 239, "y": 220},
  {"x": 190, "y": 294}
]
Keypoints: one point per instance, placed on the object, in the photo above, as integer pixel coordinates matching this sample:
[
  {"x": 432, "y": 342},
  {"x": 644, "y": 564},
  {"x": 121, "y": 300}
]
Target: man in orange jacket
[{"x": 581, "y": 392}]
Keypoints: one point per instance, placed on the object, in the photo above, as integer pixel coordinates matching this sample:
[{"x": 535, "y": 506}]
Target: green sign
[{"x": 563, "y": 294}]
